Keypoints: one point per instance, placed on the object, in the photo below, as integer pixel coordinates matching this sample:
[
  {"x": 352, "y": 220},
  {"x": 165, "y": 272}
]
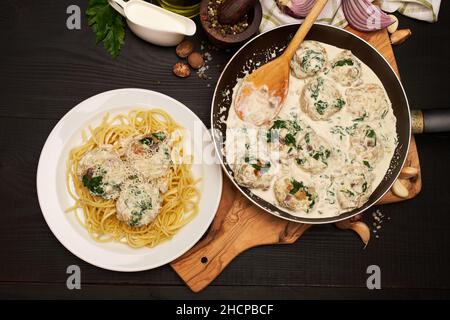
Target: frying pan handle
[{"x": 430, "y": 121}]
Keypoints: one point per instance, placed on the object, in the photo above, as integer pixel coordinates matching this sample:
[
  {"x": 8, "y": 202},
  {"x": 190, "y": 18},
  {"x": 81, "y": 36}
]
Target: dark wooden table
[{"x": 45, "y": 70}]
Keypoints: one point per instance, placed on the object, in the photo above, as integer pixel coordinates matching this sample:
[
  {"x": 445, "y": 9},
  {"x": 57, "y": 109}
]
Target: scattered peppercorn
[{"x": 224, "y": 29}]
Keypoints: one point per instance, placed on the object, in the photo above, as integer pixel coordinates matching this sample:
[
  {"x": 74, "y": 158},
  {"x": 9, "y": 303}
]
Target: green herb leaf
[
  {"x": 278, "y": 124},
  {"x": 364, "y": 186},
  {"x": 361, "y": 118},
  {"x": 343, "y": 62},
  {"x": 321, "y": 106},
  {"x": 159, "y": 135},
  {"x": 367, "y": 164},
  {"x": 289, "y": 139},
  {"x": 339, "y": 103},
  {"x": 107, "y": 25},
  {"x": 307, "y": 138},
  {"x": 350, "y": 193},
  {"x": 296, "y": 186},
  {"x": 147, "y": 141},
  {"x": 94, "y": 184}
]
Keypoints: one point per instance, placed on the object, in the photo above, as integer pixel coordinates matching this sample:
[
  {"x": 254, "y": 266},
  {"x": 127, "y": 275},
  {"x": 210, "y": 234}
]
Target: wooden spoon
[{"x": 263, "y": 92}]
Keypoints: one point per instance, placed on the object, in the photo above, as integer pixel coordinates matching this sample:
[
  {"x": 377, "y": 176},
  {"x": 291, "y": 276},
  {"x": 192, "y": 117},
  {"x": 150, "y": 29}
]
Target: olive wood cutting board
[{"x": 239, "y": 225}]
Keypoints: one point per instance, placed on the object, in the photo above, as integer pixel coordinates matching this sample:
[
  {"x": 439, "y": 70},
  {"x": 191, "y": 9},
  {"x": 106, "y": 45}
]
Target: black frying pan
[{"x": 255, "y": 51}]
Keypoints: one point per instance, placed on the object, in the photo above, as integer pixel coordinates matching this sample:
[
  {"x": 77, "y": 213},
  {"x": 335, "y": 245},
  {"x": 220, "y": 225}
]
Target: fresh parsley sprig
[{"x": 107, "y": 24}]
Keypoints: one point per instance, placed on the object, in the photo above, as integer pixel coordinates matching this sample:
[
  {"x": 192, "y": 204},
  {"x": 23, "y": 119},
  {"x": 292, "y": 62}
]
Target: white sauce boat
[{"x": 154, "y": 24}]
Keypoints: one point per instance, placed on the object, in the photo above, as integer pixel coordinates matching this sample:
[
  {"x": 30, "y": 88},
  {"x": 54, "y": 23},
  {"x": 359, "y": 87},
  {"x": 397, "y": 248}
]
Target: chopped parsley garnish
[
  {"x": 137, "y": 215},
  {"x": 94, "y": 184},
  {"x": 159, "y": 135},
  {"x": 258, "y": 165},
  {"x": 351, "y": 194},
  {"x": 297, "y": 186},
  {"x": 343, "y": 62},
  {"x": 339, "y": 103},
  {"x": 278, "y": 124},
  {"x": 370, "y": 133},
  {"x": 150, "y": 141},
  {"x": 321, "y": 106},
  {"x": 147, "y": 141},
  {"x": 305, "y": 64},
  {"x": 321, "y": 155},
  {"x": 367, "y": 164},
  {"x": 289, "y": 139},
  {"x": 300, "y": 161},
  {"x": 292, "y": 126},
  {"x": 307, "y": 138},
  {"x": 315, "y": 88},
  {"x": 364, "y": 187},
  {"x": 362, "y": 118}
]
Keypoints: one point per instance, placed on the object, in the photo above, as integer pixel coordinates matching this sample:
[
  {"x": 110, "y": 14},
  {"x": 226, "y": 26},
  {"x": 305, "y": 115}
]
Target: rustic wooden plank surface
[{"x": 46, "y": 69}]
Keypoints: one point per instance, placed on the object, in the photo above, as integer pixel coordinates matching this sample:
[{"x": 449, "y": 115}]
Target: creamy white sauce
[
  {"x": 256, "y": 106},
  {"x": 153, "y": 18},
  {"x": 342, "y": 154}
]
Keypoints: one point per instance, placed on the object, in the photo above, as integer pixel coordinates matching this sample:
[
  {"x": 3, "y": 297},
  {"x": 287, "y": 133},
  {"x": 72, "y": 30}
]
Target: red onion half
[
  {"x": 296, "y": 8},
  {"x": 364, "y": 16}
]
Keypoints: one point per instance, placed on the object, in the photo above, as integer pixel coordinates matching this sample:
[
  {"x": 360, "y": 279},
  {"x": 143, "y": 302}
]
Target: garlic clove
[
  {"x": 359, "y": 227},
  {"x": 296, "y": 8},
  {"x": 399, "y": 189},
  {"x": 409, "y": 173},
  {"x": 400, "y": 36},
  {"x": 364, "y": 16},
  {"x": 393, "y": 27},
  {"x": 362, "y": 230}
]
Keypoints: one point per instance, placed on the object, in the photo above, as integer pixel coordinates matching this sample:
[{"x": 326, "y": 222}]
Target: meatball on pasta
[
  {"x": 346, "y": 69},
  {"x": 353, "y": 187},
  {"x": 320, "y": 99},
  {"x": 138, "y": 204},
  {"x": 313, "y": 153},
  {"x": 102, "y": 172},
  {"x": 149, "y": 155},
  {"x": 367, "y": 101},
  {"x": 309, "y": 59},
  {"x": 294, "y": 195}
]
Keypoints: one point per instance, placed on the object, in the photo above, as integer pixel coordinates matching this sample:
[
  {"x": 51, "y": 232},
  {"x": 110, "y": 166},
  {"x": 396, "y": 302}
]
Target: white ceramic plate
[{"x": 54, "y": 198}]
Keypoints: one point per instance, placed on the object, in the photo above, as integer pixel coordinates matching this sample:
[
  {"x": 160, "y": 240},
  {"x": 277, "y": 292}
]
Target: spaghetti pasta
[{"x": 179, "y": 203}]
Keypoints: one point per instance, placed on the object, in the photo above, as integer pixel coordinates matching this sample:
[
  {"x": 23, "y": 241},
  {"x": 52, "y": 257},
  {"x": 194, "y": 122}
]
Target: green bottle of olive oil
[{"x": 187, "y": 8}]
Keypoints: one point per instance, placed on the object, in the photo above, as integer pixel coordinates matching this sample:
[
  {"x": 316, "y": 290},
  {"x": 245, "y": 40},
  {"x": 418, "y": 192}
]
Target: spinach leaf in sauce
[
  {"x": 321, "y": 106},
  {"x": 159, "y": 135},
  {"x": 343, "y": 62},
  {"x": 339, "y": 103},
  {"x": 316, "y": 87},
  {"x": 297, "y": 186}
]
